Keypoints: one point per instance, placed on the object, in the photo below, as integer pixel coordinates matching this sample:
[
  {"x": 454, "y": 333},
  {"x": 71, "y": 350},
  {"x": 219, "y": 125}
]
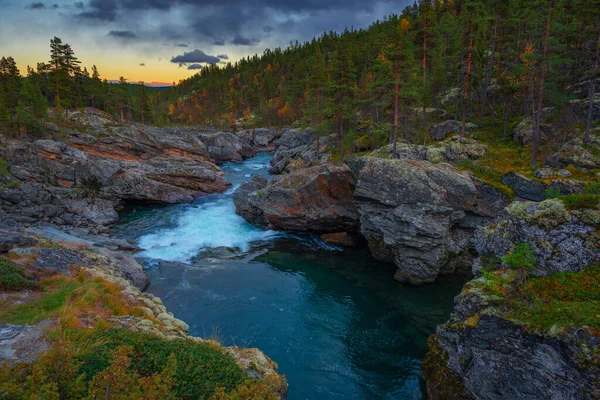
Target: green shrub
[
  {"x": 592, "y": 188},
  {"x": 122, "y": 364},
  {"x": 201, "y": 369},
  {"x": 522, "y": 257},
  {"x": 560, "y": 300},
  {"x": 552, "y": 193},
  {"x": 575, "y": 201},
  {"x": 4, "y": 167},
  {"x": 13, "y": 277}
]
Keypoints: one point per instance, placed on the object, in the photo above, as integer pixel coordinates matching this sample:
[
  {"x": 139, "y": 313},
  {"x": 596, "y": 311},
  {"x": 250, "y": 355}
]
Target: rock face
[
  {"x": 299, "y": 149},
  {"x": 317, "y": 199},
  {"x": 498, "y": 360},
  {"x": 421, "y": 216},
  {"x": 563, "y": 240},
  {"x": 82, "y": 179},
  {"x": 490, "y": 350}
]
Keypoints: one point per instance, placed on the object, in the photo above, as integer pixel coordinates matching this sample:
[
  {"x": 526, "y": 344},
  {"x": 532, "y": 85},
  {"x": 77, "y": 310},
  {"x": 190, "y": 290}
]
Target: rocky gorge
[
  {"x": 510, "y": 337},
  {"x": 419, "y": 211}
]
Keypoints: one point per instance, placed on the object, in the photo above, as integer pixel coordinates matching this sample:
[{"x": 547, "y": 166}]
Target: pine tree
[
  {"x": 342, "y": 90},
  {"x": 122, "y": 98},
  {"x": 4, "y": 115},
  {"x": 10, "y": 79},
  {"x": 317, "y": 87}
]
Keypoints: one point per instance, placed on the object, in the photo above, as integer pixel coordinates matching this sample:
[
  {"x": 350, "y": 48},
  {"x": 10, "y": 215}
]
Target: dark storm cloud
[
  {"x": 181, "y": 45},
  {"x": 78, "y": 5},
  {"x": 36, "y": 6},
  {"x": 239, "y": 40},
  {"x": 127, "y": 35},
  {"x": 223, "y": 57},
  {"x": 238, "y": 22},
  {"x": 102, "y": 10},
  {"x": 194, "y": 57},
  {"x": 195, "y": 66}
]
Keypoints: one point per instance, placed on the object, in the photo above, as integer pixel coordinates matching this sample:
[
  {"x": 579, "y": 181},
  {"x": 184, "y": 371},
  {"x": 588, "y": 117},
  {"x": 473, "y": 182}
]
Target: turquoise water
[{"x": 334, "y": 320}]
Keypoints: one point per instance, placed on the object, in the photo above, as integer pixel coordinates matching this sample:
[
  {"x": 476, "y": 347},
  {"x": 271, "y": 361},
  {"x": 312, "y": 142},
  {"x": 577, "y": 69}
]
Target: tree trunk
[
  {"x": 396, "y": 106},
  {"x": 342, "y": 135},
  {"x": 466, "y": 94},
  {"x": 488, "y": 72},
  {"x": 591, "y": 95},
  {"x": 506, "y": 113},
  {"x": 538, "y": 113}
]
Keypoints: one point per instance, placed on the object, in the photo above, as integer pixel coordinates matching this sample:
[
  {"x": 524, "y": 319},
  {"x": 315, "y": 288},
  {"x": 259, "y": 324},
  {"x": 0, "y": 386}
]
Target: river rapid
[{"x": 333, "y": 319}]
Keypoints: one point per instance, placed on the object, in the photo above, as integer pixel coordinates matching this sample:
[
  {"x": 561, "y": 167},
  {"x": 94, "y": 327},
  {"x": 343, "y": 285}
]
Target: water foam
[
  {"x": 202, "y": 227},
  {"x": 209, "y": 224}
]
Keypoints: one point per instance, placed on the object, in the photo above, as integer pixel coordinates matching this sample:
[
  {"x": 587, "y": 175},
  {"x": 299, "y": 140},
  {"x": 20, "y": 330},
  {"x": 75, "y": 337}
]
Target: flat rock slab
[
  {"x": 49, "y": 259},
  {"x": 10, "y": 240},
  {"x": 23, "y": 343}
]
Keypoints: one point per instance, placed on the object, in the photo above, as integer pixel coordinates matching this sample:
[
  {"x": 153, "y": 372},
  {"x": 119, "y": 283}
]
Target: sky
[{"x": 163, "y": 41}]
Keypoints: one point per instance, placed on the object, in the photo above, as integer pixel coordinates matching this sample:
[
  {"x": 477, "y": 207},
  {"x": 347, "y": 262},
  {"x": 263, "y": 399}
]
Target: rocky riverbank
[
  {"x": 418, "y": 212},
  {"x": 528, "y": 326},
  {"x": 71, "y": 292},
  {"x": 95, "y": 165},
  {"x": 55, "y": 286}
]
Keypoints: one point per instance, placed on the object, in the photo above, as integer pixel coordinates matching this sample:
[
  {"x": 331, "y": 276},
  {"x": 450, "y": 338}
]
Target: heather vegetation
[{"x": 88, "y": 358}]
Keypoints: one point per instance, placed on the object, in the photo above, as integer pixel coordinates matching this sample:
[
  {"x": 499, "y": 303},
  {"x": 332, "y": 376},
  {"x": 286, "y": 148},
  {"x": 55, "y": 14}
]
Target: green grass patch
[
  {"x": 13, "y": 278},
  {"x": 4, "y": 167},
  {"x": 557, "y": 301},
  {"x": 47, "y": 307},
  {"x": 579, "y": 201},
  {"x": 69, "y": 296}
]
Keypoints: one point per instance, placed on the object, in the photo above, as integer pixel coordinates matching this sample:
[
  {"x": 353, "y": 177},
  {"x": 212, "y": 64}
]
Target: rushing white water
[{"x": 210, "y": 223}]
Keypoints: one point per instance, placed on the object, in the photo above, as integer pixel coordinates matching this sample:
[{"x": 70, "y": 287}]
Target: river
[{"x": 333, "y": 319}]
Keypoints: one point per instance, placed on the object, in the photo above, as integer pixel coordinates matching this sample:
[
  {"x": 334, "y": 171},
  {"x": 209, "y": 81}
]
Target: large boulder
[
  {"x": 297, "y": 149},
  {"x": 451, "y": 150},
  {"x": 440, "y": 131},
  {"x": 524, "y": 131},
  {"x": 421, "y": 216},
  {"x": 316, "y": 199},
  {"x": 577, "y": 153},
  {"x": 535, "y": 190},
  {"x": 563, "y": 240},
  {"x": 261, "y": 138},
  {"x": 224, "y": 146},
  {"x": 244, "y": 206}
]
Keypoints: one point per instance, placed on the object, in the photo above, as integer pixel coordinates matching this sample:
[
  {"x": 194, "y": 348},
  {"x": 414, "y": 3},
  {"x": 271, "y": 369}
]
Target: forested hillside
[
  {"x": 489, "y": 62},
  {"x": 485, "y": 61}
]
